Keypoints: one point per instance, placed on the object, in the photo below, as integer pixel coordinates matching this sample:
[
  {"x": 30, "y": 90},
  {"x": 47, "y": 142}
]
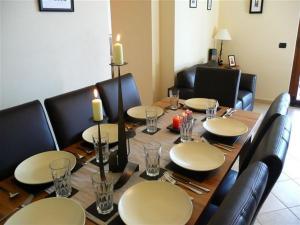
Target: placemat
[
  {"x": 146, "y": 177},
  {"x": 178, "y": 140},
  {"x": 180, "y": 105},
  {"x": 77, "y": 167},
  {"x": 33, "y": 189},
  {"x": 172, "y": 129},
  {"x": 146, "y": 132},
  {"x": 219, "y": 139},
  {"x": 53, "y": 194},
  {"x": 199, "y": 176},
  {"x": 117, "y": 221},
  {"x": 92, "y": 209}
]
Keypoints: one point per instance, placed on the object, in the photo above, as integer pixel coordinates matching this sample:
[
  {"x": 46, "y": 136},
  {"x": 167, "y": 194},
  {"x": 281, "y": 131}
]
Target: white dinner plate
[
  {"x": 50, "y": 211},
  {"x": 139, "y": 112},
  {"x": 200, "y": 103},
  {"x": 155, "y": 202},
  {"x": 197, "y": 156},
  {"x": 36, "y": 170},
  {"x": 110, "y": 128},
  {"x": 226, "y": 127}
]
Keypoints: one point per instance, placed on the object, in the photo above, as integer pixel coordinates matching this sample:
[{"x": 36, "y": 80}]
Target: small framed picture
[
  {"x": 256, "y": 6},
  {"x": 193, "y": 3},
  {"x": 231, "y": 61},
  {"x": 56, "y": 5},
  {"x": 209, "y": 4}
]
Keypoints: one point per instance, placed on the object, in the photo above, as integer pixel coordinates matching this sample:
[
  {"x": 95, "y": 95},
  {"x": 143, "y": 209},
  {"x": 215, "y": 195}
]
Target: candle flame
[
  {"x": 118, "y": 38},
  {"x": 95, "y": 93}
]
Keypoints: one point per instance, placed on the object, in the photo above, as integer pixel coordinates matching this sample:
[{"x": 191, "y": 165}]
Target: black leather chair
[
  {"x": 271, "y": 150},
  {"x": 24, "y": 132},
  {"x": 109, "y": 93},
  {"x": 70, "y": 114},
  {"x": 240, "y": 205},
  {"x": 220, "y": 84}
]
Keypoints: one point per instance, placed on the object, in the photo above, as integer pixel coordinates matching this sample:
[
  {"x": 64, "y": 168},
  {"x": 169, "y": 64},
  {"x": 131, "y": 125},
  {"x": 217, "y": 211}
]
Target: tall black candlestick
[{"x": 101, "y": 166}]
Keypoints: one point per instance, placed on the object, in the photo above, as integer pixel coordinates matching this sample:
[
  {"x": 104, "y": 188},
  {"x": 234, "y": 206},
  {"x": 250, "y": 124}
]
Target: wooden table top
[{"x": 81, "y": 178}]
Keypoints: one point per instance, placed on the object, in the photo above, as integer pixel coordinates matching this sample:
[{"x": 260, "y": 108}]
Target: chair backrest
[
  {"x": 272, "y": 150},
  {"x": 109, "y": 93},
  {"x": 240, "y": 205},
  {"x": 24, "y": 132},
  {"x": 217, "y": 83},
  {"x": 70, "y": 114},
  {"x": 278, "y": 107}
]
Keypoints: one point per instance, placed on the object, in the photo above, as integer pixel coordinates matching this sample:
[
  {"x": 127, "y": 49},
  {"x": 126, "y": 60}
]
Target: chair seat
[
  {"x": 207, "y": 214},
  {"x": 225, "y": 187},
  {"x": 246, "y": 97}
]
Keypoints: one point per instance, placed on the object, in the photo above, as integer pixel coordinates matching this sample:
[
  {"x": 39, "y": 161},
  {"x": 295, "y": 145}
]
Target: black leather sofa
[{"x": 185, "y": 80}]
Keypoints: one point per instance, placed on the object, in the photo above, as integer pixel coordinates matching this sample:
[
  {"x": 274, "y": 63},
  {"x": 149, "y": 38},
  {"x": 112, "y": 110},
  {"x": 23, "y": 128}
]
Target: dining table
[{"x": 81, "y": 178}]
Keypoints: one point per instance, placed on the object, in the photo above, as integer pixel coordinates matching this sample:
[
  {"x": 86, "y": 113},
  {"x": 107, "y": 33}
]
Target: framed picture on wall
[
  {"x": 56, "y": 5},
  {"x": 209, "y": 4},
  {"x": 193, "y": 3},
  {"x": 231, "y": 61},
  {"x": 256, "y": 6}
]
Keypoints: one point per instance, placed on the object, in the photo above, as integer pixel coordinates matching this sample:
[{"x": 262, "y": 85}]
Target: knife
[
  {"x": 26, "y": 202},
  {"x": 176, "y": 177}
]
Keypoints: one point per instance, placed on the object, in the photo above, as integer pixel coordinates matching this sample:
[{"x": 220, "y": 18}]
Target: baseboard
[{"x": 264, "y": 101}]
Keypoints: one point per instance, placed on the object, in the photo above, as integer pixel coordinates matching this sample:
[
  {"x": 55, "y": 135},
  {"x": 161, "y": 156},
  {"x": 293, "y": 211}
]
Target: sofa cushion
[
  {"x": 246, "y": 97},
  {"x": 186, "y": 93},
  {"x": 238, "y": 104}
]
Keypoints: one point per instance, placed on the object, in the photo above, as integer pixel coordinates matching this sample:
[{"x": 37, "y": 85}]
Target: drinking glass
[
  {"x": 152, "y": 157},
  {"x": 174, "y": 98},
  {"x": 151, "y": 120},
  {"x": 104, "y": 146},
  {"x": 61, "y": 174},
  {"x": 186, "y": 129},
  {"x": 211, "y": 109},
  {"x": 103, "y": 192}
]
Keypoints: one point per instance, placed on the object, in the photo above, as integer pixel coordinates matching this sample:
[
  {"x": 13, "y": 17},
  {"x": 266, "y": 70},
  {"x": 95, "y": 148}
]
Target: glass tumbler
[
  {"x": 103, "y": 192},
  {"x": 174, "y": 98},
  {"x": 61, "y": 174},
  {"x": 152, "y": 158},
  {"x": 151, "y": 120},
  {"x": 104, "y": 146},
  {"x": 186, "y": 129}
]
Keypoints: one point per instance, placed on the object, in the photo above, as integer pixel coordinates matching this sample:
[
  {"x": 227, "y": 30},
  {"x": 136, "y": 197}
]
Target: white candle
[
  {"x": 97, "y": 107},
  {"x": 118, "y": 52}
]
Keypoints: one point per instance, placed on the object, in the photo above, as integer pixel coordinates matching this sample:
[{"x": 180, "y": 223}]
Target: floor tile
[
  {"x": 288, "y": 192},
  {"x": 279, "y": 217},
  {"x": 296, "y": 211},
  {"x": 297, "y": 181},
  {"x": 291, "y": 167},
  {"x": 256, "y": 223},
  {"x": 283, "y": 177},
  {"x": 272, "y": 203}
]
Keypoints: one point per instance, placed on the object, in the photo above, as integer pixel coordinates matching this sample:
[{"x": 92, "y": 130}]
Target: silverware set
[
  {"x": 228, "y": 112},
  {"x": 184, "y": 183},
  {"x": 228, "y": 148},
  {"x": 10, "y": 194}
]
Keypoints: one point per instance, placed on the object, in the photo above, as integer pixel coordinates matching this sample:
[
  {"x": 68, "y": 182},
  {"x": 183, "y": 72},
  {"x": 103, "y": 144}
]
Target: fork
[
  {"x": 173, "y": 181},
  {"x": 10, "y": 194}
]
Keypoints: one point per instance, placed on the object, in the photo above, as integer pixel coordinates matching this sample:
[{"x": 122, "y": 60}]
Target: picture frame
[
  {"x": 209, "y": 4},
  {"x": 193, "y": 3},
  {"x": 56, "y": 5},
  {"x": 256, "y": 6},
  {"x": 231, "y": 61}
]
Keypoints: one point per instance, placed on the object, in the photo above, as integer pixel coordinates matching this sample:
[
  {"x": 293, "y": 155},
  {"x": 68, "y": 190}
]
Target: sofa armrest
[
  {"x": 186, "y": 78},
  {"x": 248, "y": 82}
]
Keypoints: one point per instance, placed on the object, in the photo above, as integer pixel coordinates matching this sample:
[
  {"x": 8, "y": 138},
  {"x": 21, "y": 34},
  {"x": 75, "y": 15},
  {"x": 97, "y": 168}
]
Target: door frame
[{"x": 294, "y": 82}]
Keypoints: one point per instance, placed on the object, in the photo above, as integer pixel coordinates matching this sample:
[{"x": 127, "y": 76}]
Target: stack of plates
[
  {"x": 50, "y": 211},
  {"x": 155, "y": 202},
  {"x": 36, "y": 170},
  {"x": 225, "y": 127},
  {"x": 197, "y": 156},
  {"x": 139, "y": 112}
]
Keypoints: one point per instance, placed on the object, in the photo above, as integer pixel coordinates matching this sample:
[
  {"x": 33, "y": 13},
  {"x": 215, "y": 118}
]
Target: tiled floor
[{"x": 282, "y": 207}]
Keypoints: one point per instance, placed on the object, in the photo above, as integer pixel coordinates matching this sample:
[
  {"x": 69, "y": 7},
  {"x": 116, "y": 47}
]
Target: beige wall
[
  {"x": 255, "y": 40},
  {"x": 48, "y": 53},
  {"x": 166, "y": 44},
  {"x": 194, "y": 29},
  {"x": 132, "y": 19}
]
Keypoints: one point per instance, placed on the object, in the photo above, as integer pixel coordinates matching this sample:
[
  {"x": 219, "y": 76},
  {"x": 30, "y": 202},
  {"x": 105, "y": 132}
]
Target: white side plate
[
  {"x": 197, "y": 156},
  {"x": 111, "y": 129},
  {"x": 155, "y": 202},
  {"x": 200, "y": 103},
  {"x": 50, "y": 211},
  {"x": 139, "y": 112},
  {"x": 36, "y": 170}
]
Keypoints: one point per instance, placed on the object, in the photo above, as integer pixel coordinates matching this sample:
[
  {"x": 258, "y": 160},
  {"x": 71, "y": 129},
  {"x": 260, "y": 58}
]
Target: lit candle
[
  {"x": 176, "y": 122},
  {"x": 97, "y": 107},
  {"x": 118, "y": 52}
]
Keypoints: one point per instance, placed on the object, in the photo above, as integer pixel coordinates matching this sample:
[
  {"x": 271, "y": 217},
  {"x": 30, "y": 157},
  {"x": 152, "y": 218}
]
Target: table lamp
[{"x": 222, "y": 35}]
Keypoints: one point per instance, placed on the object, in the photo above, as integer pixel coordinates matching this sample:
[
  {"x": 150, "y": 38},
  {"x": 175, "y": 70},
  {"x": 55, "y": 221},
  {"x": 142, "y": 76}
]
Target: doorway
[{"x": 294, "y": 84}]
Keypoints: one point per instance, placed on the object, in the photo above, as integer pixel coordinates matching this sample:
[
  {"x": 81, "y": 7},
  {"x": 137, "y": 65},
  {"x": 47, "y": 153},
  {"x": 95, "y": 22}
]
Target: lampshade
[{"x": 223, "y": 35}]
